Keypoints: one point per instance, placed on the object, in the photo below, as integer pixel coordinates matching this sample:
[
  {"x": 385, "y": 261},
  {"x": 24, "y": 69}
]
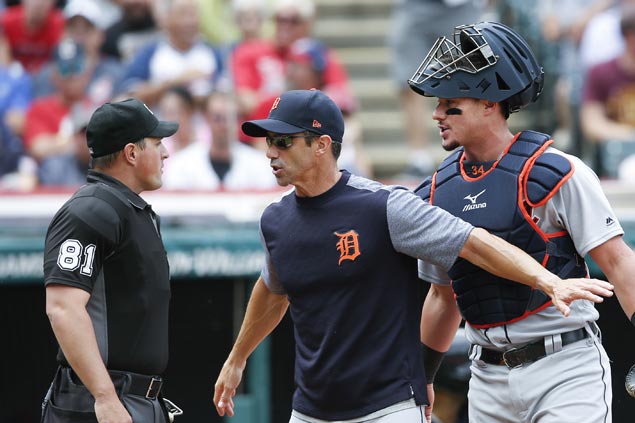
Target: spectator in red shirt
[
  {"x": 258, "y": 67},
  {"x": 50, "y": 130},
  {"x": 306, "y": 63},
  {"x": 32, "y": 29}
]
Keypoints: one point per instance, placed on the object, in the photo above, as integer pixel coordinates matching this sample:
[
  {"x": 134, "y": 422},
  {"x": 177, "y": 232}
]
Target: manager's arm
[
  {"x": 503, "y": 259},
  {"x": 264, "y": 312}
]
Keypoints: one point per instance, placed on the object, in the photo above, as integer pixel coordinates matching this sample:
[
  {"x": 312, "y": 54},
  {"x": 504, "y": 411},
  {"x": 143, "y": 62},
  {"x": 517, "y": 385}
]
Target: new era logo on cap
[{"x": 298, "y": 111}]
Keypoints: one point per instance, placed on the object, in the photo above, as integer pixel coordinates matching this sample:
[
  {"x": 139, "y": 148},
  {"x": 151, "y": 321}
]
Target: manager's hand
[
  {"x": 225, "y": 389},
  {"x": 565, "y": 291}
]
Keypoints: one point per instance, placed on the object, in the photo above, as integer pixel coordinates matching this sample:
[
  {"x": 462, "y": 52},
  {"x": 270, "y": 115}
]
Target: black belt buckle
[
  {"x": 516, "y": 357},
  {"x": 529, "y": 353},
  {"x": 154, "y": 388}
]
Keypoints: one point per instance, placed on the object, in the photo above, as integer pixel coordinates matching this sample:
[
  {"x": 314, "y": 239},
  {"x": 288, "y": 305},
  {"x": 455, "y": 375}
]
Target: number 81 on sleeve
[{"x": 70, "y": 257}]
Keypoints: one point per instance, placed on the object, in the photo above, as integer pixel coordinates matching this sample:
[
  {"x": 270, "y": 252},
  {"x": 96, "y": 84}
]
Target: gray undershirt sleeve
[{"x": 423, "y": 231}]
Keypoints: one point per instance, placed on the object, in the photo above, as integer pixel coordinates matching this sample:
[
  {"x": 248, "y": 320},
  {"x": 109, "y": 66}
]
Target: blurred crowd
[
  {"x": 587, "y": 48},
  {"x": 207, "y": 64},
  {"x": 211, "y": 64}
]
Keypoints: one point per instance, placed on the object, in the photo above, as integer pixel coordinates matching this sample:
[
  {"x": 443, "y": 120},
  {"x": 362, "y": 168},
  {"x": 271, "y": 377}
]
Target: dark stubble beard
[{"x": 451, "y": 146}]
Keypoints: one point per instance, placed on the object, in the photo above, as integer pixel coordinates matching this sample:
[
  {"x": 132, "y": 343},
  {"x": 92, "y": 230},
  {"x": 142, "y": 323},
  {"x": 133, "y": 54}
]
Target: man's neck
[
  {"x": 489, "y": 149},
  {"x": 316, "y": 183}
]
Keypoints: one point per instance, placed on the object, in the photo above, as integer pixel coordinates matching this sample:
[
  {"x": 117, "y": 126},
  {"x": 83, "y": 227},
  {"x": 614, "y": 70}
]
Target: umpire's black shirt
[{"x": 106, "y": 240}]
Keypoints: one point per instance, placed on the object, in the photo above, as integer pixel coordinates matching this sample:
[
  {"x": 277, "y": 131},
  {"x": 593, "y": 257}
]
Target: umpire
[{"x": 107, "y": 277}]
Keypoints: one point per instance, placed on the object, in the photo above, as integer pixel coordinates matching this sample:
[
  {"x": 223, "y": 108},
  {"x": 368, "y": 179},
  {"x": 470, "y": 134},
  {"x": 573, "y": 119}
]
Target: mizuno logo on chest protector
[
  {"x": 347, "y": 245},
  {"x": 473, "y": 204}
]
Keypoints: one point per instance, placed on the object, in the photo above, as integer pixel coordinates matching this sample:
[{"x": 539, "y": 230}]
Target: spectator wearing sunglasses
[{"x": 341, "y": 255}]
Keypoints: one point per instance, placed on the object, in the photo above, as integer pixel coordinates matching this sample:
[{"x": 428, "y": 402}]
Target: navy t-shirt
[{"x": 347, "y": 260}]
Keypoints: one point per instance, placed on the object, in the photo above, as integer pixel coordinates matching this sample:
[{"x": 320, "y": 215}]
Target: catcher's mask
[{"x": 487, "y": 61}]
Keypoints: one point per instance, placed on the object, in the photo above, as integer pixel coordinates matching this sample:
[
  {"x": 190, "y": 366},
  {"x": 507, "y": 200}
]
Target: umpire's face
[{"x": 149, "y": 164}]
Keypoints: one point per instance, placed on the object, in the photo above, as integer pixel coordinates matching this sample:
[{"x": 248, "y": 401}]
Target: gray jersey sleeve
[
  {"x": 268, "y": 273},
  {"x": 426, "y": 232},
  {"x": 581, "y": 207}
]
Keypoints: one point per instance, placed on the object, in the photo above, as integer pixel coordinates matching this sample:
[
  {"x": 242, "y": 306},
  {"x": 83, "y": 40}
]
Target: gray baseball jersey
[{"x": 575, "y": 384}]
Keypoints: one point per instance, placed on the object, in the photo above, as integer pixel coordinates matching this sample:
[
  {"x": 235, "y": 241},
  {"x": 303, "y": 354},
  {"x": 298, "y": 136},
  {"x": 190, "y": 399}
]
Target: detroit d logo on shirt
[{"x": 347, "y": 245}]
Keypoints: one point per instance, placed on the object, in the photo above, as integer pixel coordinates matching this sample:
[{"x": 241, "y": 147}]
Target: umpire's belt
[
  {"x": 132, "y": 383},
  {"x": 529, "y": 353},
  {"x": 138, "y": 384}
]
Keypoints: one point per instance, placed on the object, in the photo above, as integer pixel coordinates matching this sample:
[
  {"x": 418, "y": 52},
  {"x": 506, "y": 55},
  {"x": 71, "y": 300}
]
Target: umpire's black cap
[
  {"x": 113, "y": 125},
  {"x": 298, "y": 111}
]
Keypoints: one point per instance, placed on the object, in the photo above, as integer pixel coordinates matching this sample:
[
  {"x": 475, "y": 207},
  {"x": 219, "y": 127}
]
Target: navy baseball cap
[
  {"x": 299, "y": 111},
  {"x": 113, "y": 125}
]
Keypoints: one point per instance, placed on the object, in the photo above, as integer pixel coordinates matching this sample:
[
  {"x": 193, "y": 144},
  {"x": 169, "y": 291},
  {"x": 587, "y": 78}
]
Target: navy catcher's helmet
[{"x": 487, "y": 61}]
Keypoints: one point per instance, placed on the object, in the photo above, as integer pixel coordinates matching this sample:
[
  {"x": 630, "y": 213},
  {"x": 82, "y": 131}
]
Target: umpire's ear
[{"x": 129, "y": 152}]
